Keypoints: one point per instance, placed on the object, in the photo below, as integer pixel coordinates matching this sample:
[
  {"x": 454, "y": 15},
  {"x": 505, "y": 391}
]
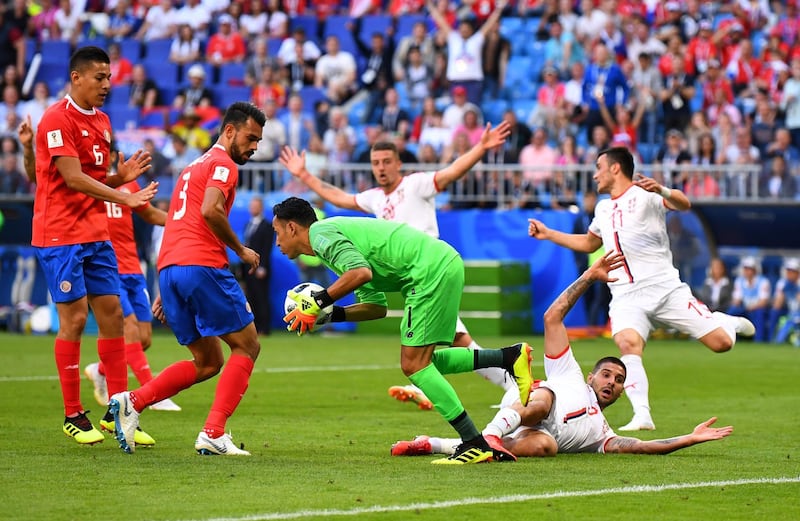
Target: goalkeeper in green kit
[{"x": 372, "y": 257}]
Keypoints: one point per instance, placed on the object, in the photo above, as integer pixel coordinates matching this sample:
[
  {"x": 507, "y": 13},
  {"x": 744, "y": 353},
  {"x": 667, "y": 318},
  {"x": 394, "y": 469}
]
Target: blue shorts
[
  {"x": 201, "y": 302},
  {"x": 77, "y": 270},
  {"x": 134, "y": 297}
]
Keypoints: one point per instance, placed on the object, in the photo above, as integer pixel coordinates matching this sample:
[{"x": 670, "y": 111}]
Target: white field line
[{"x": 517, "y": 498}]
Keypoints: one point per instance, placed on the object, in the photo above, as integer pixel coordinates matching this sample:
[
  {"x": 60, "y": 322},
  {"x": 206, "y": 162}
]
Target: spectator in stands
[
  {"x": 268, "y": 88},
  {"x": 742, "y": 151},
  {"x": 435, "y": 134},
  {"x": 288, "y": 54},
  {"x": 643, "y": 41},
  {"x": 751, "y": 297},
  {"x": 550, "y": 102},
  {"x": 401, "y": 143},
  {"x": 67, "y": 23},
  {"x": 701, "y": 49},
  {"x": 339, "y": 153},
  {"x": 675, "y": 49},
  {"x": 519, "y": 136},
  {"x": 335, "y": 72},
  {"x": 372, "y": 134},
  {"x": 717, "y": 290},
  {"x": 322, "y": 116},
  {"x": 684, "y": 245},
  {"x": 569, "y": 155},
  {"x": 743, "y": 69},
  {"x": 706, "y": 154},
  {"x": 591, "y": 21},
  {"x": 226, "y": 45},
  {"x": 496, "y": 52},
  {"x": 777, "y": 182},
  {"x": 781, "y": 145},
  {"x": 790, "y": 101},
  {"x": 471, "y": 127},
  {"x": 278, "y": 20},
  {"x": 720, "y": 105},
  {"x": 273, "y": 136},
  {"x": 603, "y": 77},
  {"x": 391, "y": 117},
  {"x": 612, "y": 37},
  {"x": 676, "y": 96},
  {"x": 701, "y": 184},
  {"x": 143, "y": 91},
  {"x": 300, "y": 72},
  {"x": 253, "y": 24},
  {"x": 600, "y": 140},
  {"x": 160, "y": 22},
  {"x": 122, "y": 23},
  {"x": 183, "y": 154},
  {"x": 416, "y": 76},
  {"x": 299, "y": 125},
  {"x": 724, "y": 135},
  {"x": 121, "y": 67},
  {"x": 673, "y": 153},
  {"x": 377, "y": 75},
  {"x": 195, "y": 15},
  {"x": 11, "y": 76},
  {"x": 338, "y": 125},
  {"x": 159, "y": 164},
  {"x": 423, "y": 118},
  {"x": 647, "y": 85},
  {"x": 427, "y": 154},
  {"x": 185, "y": 48},
  {"x": 188, "y": 128},
  {"x": 10, "y": 104},
  {"x": 698, "y": 127},
  {"x": 623, "y": 125},
  {"x": 13, "y": 180},
  {"x": 453, "y": 115},
  {"x": 763, "y": 122},
  {"x": 465, "y": 50},
  {"x": 36, "y": 106},
  {"x": 196, "y": 94},
  {"x": 535, "y": 159},
  {"x": 785, "y": 302},
  {"x": 418, "y": 39},
  {"x": 258, "y": 60}
]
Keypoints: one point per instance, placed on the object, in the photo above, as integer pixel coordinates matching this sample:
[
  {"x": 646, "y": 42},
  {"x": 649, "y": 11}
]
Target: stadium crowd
[{"x": 720, "y": 81}]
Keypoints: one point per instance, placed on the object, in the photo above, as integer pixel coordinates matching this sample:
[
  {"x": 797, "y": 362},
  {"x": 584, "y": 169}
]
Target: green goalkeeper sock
[{"x": 453, "y": 360}]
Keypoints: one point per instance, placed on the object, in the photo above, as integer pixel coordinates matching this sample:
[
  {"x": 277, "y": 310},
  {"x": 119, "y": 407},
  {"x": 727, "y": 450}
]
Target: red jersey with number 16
[
  {"x": 61, "y": 215},
  {"x": 188, "y": 241},
  {"x": 120, "y": 227}
]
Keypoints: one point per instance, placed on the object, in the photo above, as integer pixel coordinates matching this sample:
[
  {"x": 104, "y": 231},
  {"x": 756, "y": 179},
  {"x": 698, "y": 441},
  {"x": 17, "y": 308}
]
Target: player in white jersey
[
  {"x": 565, "y": 412},
  {"x": 410, "y": 199},
  {"x": 647, "y": 288}
]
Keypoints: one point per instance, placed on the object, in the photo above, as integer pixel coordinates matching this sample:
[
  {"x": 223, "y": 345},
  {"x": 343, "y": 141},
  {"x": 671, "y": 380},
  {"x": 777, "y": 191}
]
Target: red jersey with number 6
[
  {"x": 61, "y": 215},
  {"x": 188, "y": 241},
  {"x": 120, "y": 227}
]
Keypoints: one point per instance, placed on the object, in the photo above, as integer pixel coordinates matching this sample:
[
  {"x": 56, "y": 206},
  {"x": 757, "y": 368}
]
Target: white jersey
[
  {"x": 575, "y": 421},
  {"x": 412, "y": 202},
  {"x": 634, "y": 224}
]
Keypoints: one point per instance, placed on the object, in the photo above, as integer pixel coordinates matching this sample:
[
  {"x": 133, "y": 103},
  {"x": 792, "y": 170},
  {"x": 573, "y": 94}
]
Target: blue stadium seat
[
  {"x": 31, "y": 48},
  {"x": 273, "y": 45},
  {"x": 509, "y": 26},
  {"x": 356, "y": 113},
  {"x": 374, "y": 24},
  {"x": 55, "y": 51},
  {"x": 337, "y": 26},
  {"x": 224, "y": 96},
  {"x": 152, "y": 119},
  {"x": 493, "y": 110},
  {"x": 519, "y": 43},
  {"x": 231, "y": 74},
  {"x": 131, "y": 49},
  {"x": 537, "y": 55},
  {"x": 311, "y": 95},
  {"x": 95, "y": 41},
  {"x": 308, "y": 23},
  {"x": 164, "y": 73},
  {"x": 118, "y": 97},
  {"x": 123, "y": 117},
  {"x": 405, "y": 25},
  {"x": 55, "y": 74},
  {"x": 157, "y": 50},
  {"x": 523, "y": 108}
]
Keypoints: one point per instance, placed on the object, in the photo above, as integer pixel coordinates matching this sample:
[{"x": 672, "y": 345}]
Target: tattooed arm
[{"x": 702, "y": 433}]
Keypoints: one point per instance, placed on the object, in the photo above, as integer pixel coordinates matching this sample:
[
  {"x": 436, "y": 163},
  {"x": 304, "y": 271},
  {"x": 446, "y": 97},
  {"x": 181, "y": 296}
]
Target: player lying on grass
[{"x": 564, "y": 412}]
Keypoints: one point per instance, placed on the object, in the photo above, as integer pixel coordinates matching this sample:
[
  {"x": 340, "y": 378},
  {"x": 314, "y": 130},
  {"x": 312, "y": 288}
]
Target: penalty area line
[{"x": 516, "y": 498}]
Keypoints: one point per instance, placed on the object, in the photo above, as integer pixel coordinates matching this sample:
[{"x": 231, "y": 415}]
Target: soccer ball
[{"x": 306, "y": 288}]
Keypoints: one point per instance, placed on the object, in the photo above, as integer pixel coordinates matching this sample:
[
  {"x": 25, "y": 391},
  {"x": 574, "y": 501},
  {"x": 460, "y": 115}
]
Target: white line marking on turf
[{"x": 508, "y": 499}]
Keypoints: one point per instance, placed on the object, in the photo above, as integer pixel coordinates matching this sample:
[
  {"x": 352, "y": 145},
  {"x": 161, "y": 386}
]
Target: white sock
[
  {"x": 496, "y": 375},
  {"x": 444, "y": 445},
  {"x": 504, "y": 422},
  {"x": 636, "y": 385},
  {"x": 728, "y": 323}
]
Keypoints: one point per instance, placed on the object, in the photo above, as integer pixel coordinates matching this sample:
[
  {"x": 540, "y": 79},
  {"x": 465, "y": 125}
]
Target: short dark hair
[
  {"x": 609, "y": 360},
  {"x": 297, "y": 210},
  {"x": 85, "y": 56},
  {"x": 384, "y": 145},
  {"x": 239, "y": 112},
  {"x": 621, "y": 156}
]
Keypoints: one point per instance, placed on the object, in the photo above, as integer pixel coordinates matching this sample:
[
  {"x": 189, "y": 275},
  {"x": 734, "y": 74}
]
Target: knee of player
[{"x": 721, "y": 344}]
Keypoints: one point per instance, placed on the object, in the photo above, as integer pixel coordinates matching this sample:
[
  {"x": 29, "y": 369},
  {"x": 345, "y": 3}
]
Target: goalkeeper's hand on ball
[{"x": 303, "y": 317}]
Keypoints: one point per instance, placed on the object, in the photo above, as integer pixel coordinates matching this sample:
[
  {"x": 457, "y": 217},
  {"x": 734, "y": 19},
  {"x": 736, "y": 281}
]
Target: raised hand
[
  {"x": 134, "y": 166},
  {"x": 493, "y": 137},
  {"x": 292, "y": 161},
  {"x": 137, "y": 199}
]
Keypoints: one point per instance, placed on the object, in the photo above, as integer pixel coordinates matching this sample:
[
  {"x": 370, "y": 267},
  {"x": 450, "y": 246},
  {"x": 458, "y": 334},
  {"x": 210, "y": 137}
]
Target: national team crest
[
  {"x": 107, "y": 135},
  {"x": 65, "y": 286}
]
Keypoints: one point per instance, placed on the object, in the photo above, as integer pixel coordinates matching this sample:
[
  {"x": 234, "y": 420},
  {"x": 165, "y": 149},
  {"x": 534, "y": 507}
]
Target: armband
[{"x": 666, "y": 193}]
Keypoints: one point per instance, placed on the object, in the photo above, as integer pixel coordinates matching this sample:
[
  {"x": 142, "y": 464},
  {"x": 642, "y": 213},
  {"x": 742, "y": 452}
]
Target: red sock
[
  {"x": 169, "y": 382},
  {"x": 112, "y": 356},
  {"x": 137, "y": 361},
  {"x": 231, "y": 387},
  {"x": 68, "y": 360},
  {"x": 101, "y": 368}
]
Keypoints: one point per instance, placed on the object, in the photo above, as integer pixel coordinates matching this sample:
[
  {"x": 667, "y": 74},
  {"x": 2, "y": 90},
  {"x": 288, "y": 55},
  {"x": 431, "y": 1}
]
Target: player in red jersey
[
  {"x": 200, "y": 298},
  {"x": 70, "y": 231}
]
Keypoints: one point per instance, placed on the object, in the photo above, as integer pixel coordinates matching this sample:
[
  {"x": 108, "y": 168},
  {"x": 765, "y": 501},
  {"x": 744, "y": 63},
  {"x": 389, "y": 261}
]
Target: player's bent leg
[
  {"x": 531, "y": 444},
  {"x": 145, "y": 334},
  {"x": 207, "y": 357}
]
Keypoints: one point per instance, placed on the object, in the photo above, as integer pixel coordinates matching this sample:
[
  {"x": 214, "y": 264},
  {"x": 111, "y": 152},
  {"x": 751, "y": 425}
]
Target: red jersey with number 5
[
  {"x": 61, "y": 215},
  {"x": 188, "y": 241},
  {"x": 120, "y": 227}
]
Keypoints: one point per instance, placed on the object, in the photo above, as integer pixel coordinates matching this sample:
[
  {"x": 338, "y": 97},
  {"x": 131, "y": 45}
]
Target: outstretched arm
[
  {"x": 490, "y": 138},
  {"x": 584, "y": 243},
  {"x": 701, "y": 434},
  {"x": 494, "y": 18},
  {"x": 296, "y": 165},
  {"x": 438, "y": 17}
]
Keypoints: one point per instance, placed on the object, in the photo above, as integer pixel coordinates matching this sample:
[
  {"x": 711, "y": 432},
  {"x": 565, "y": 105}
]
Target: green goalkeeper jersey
[{"x": 402, "y": 259}]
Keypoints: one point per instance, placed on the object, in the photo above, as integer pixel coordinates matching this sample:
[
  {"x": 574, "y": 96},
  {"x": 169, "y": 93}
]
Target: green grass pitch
[{"x": 319, "y": 423}]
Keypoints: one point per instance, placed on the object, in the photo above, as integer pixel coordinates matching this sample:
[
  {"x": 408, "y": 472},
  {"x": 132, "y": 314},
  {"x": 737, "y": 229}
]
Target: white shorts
[
  {"x": 644, "y": 309},
  {"x": 460, "y": 327}
]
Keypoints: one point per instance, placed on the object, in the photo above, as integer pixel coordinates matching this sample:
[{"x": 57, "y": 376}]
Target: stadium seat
[
  {"x": 157, "y": 50},
  {"x": 523, "y": 108},
  {"x": 308, "y": 23},
  {"x": 311, "y": 95},
  {"x": 31, "y": 48},
  {"x": 337, "y": 26},
  {"x": 123, "y": 117},
  {"x": 537, "y": 55},
  {"x": 55, "y": 51},
  {"x": 118, "y": 97},
  {"x": 405, "y": 25},
  {"x": 96, "y": 41},
  {"x": 55, "y": 74},
  {"x": 374, "y": 24},
  {"x": 131, "y": 48},
  {"x": 162, "y": 72},
  {"x": 356, "y": 113},
  {"x": 518, "y": 70},
  {"x": 274, "y": 44},
  {"x": 231, "y": 74},
  {"x": 224, "y": 96},
  {"x": 152, "y": 119},
  {"x": 493, "y": 110}
]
